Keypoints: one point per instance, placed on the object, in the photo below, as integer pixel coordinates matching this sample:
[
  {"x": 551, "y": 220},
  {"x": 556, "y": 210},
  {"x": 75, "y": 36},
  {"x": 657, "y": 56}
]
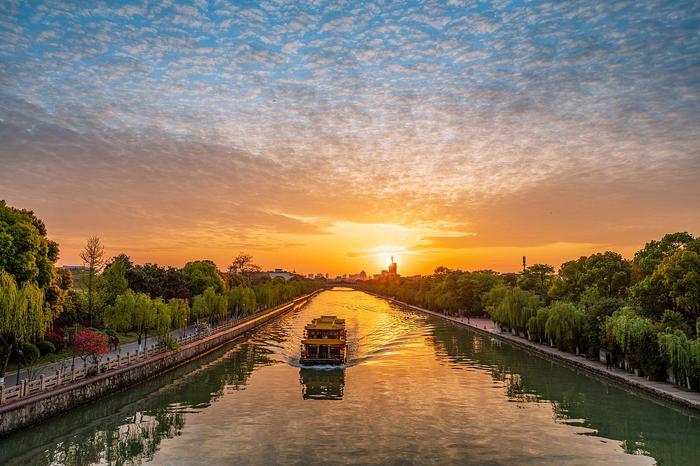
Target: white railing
[{"x": 27, "y": 388}]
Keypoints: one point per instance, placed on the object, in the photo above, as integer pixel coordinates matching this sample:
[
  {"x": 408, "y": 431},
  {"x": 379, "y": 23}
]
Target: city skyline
[{"x": 327, "y": 137}]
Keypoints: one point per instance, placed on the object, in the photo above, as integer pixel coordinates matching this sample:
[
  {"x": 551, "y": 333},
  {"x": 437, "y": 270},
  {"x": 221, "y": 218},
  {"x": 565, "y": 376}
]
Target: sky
[{"x": 327, "y": 136}]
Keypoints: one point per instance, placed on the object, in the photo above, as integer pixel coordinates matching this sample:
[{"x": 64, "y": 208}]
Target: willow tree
[
  {"x": 564, "y": 325},
  {"x": 241, "y": 301},
  {"x": 537, "y": 324},
  {"x": 132, "y": 311},
  {"x": 23, "y": 315},
  {"x": 635, "y": 337},
  {"x": 179, "y": 313},
  {"x": 677, "y": 350},
  {"x": 209, "y": 305}
]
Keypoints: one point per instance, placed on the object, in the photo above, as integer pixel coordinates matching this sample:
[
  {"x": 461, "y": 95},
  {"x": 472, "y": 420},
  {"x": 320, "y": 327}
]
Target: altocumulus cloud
[{"x": 575, "y": 121}]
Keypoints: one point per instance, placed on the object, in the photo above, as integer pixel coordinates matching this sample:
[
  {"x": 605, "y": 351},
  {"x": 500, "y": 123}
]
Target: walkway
[
  {"x": 662, "y": 390},
  {"x": 51, "y": 368}
]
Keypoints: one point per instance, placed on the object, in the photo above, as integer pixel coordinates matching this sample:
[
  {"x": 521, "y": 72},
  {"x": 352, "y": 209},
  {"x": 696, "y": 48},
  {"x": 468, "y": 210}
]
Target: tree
[
  {"x": 132, "y": 311},
  {"x": 636, "y": 338},
  {"x": 677, "y": 350},
  {"x": 201, "y": 275},
  {"x": 537, "y": 278},
  {"x": 23, "y": 315},
  {"x": 564, "y": 325},
  {"x": 87, "y": 343},
  {"x": 114, "y": 280},
  {"x": 471, "y": 286},
  {"x": 209, "y": 305},
  {"x": 537, "y": 325},
  {"x": 674, "y": 284},
  {"x": 25, "y": 251},
  {"x": 648, "y": 259},
  {"x": 93, "y": 258},
  {"x": 241, "y": 267},
  {"x": 180, "y": 313},
  {"x": 241, "y": 301}
]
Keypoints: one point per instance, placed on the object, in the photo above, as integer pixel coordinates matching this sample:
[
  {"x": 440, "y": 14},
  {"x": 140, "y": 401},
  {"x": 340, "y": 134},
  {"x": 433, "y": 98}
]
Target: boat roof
[
  {"x": 323, "y": 341},
  {"x": 326, "y": 323}
]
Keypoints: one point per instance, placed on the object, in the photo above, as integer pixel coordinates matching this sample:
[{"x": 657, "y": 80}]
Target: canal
[{"x": 416, "y": 390}]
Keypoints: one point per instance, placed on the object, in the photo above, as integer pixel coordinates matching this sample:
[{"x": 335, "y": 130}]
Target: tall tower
[
  {"x": 524, "y": 266},
  {"x": 392, "y": 266}
]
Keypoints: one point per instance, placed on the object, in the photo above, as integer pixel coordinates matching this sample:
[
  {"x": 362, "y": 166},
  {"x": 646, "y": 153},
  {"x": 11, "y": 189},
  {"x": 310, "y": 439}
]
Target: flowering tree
[{"x": 87, "y": 343}]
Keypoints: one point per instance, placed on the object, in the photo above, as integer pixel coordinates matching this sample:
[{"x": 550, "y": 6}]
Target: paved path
[
  {"x": 663, "y": 390},
  {"x": 51, "y": 368}
]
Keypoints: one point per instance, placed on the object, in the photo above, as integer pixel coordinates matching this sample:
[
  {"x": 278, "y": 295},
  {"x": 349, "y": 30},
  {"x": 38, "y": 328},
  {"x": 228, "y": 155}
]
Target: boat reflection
[{"x": 319, "y": 384}]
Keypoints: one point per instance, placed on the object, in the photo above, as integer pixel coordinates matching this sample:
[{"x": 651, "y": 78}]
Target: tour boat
[{"x": 324, "y": 342}]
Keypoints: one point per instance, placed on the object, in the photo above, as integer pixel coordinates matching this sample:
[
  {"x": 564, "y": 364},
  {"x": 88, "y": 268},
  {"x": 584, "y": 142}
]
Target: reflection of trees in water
[
  {"x": 641, "y": 425},
  {"x": 129, "y": 427},
  {"x": 319, "y": 384}
]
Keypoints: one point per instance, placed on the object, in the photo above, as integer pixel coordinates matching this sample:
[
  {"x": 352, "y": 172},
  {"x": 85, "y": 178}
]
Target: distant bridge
[{"x": 341, "y": 284}]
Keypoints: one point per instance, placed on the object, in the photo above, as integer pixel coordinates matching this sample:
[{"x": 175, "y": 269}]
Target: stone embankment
[
  {"x": 56, "y": 396},
  {"x": 660, "y": 390}
]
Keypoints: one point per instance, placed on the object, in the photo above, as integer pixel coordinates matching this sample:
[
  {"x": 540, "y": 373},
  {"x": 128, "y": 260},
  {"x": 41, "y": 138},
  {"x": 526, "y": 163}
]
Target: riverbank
[
  {"x": 70, "y": 393},
  {"x": 662, "y": 390}
]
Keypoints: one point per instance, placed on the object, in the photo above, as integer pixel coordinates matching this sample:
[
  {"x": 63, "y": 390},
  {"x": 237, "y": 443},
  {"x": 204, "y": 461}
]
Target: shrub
[
  {"x": 169, "y": 342},
  {"x": 46, "y": 347},
  {"x": 30, "y": 354},
  {"x": 56, "y": 340}
]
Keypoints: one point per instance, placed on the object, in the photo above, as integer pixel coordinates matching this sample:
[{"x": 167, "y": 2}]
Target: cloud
[{"x": 523, "y": 124}]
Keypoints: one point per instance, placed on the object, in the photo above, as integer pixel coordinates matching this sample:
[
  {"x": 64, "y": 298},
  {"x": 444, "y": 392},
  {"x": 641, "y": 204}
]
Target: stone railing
[{"x": 27, "y": 388}]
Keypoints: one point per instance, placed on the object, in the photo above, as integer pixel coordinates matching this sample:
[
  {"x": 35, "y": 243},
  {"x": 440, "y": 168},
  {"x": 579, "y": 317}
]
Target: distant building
[
  {"x": 281, "y": 273},
  {"x": 393, "y": 267},
  {"x": 392, "y": 272},
  {"x": 357, "y": 277},
  {"x": 76, "y": 268}
]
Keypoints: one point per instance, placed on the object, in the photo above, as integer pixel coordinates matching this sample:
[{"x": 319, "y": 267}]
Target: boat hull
[{"x": 321, "y": 362}]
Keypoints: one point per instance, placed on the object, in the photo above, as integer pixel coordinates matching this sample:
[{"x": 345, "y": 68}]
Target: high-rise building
[{"x": 393, "y": 267}]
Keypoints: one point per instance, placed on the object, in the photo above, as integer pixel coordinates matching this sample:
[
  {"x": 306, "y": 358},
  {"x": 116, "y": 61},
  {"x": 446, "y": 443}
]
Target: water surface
[{"x": 416, "y": 389}]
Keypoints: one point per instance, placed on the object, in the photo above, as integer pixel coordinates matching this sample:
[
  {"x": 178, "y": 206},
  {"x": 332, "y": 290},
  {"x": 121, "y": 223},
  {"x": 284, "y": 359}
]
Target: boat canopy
[{"x": 326, "y": 323}]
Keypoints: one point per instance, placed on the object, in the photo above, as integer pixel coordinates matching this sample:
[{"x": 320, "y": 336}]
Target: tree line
[
  {"x": 42, "y": 309},
  {"x": 642, "y": 312}
]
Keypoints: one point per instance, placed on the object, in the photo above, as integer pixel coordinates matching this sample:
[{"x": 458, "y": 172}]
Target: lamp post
[{"x": 19, "y": 364}]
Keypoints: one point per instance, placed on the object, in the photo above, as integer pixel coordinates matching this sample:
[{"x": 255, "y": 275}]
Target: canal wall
[
  {"x": 659, "y": 390},
  {"x": 34, "y": 409}
]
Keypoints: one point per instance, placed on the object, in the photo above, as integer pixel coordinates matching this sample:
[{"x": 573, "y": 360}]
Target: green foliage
[
  {"x": 654, "y": 252},
  {"x": 162, "y": 319},
  {"x": 515, "y": 307},
  {"x": 241, "y": 301},
  {"x": 201, "y": 275},
  {"x": 537, "y": 278},
  {"x": 537, "y": 325},
  {"x": 179, "y": 312},
  {"x": 676, "y": 348},
  {"x": 158, "y": 282},
  {"x": 564, "y": 325},
  {"x": 635, "y": 337},
  {"x": 23, "y": 313},
  {"x": 209, "y": 305},
  {"x": 132, "y": 311},
  {"x": 46, "y": 347},
  {"x": 30, "y": 354},
  {"x": 607, "y": 274},
  {"x": 113, "y": 281},
  {"x": 25, "y": 251},
  {"x": 169, "y": 342}
]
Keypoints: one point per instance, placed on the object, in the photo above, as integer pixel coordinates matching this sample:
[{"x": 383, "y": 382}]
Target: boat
[{"x": 324, "y": 342}]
